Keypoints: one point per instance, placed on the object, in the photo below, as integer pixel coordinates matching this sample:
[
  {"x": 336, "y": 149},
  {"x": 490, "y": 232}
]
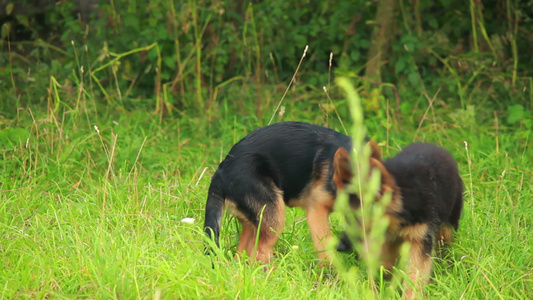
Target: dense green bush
[{"x": 185, "y": 53}]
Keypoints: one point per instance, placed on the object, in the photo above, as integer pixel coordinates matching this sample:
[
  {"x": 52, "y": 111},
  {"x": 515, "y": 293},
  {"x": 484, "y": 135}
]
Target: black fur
[
  {"x": 427, "y": 199},
  {"x": 286, "y": 155},
  {"x": 430, "y": 185},
  {"x": 431, "y": 189}
]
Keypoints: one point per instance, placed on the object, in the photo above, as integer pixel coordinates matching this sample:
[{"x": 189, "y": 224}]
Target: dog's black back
[
  {"x": 287, "y": 163},
  {"x": 284, "y": 152}
]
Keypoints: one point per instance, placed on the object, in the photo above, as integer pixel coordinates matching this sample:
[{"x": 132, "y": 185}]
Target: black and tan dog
[
  {"x": 284, "y": 164},
  {"x": 427, "y": 199}
]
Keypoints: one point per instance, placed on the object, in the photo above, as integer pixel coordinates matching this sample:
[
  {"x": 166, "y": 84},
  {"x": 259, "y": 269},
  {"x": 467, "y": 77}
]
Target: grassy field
[{"x": 93, "y": 201}]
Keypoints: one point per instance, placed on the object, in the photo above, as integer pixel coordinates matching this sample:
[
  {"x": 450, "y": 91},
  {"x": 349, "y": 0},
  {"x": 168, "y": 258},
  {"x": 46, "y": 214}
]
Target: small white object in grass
[
  {"x": 282, "y": 111},
  {"x": 187, "y": 220},
  {"x": 295, "y": 247}
]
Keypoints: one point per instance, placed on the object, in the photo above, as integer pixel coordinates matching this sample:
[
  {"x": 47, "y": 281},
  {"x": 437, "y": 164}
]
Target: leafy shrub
[{"x": 184, "y": 54}]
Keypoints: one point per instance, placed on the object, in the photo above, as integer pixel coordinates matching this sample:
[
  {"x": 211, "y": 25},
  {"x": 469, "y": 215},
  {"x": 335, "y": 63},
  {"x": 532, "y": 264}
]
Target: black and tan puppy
[
  {"x": 427, "y": 199},
  {"x": 284, "y": 164}
]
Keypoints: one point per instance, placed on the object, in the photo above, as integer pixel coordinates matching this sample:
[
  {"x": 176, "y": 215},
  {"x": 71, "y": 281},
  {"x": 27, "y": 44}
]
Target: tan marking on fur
[
  {"x": 315, "y": 191},
  {"x": 276, "y": 217},
  {"x": 389, "y": 253},
  {"x": 318, "y": 204},
  {"x": 388, "y": 184},
  {"x": 232, "y": 208},
  {"x": 446, "y": 234},
  {"x": 394, "y": 225},
  {"x": 248, "y": 233},
  {"x": 318, "y": 195},
  {"x": 302, "y": 200},
  {"x": 375, "y": 151},
  {"x": 396, "y": 205},
  {"x": 415, "y": 232},
  {"x": 342, "y": 167},
  {"x": 419, "y": 268},
  {"x": 387, "y": 180},
  {"x": 317, "y": 219},
  {"x": 247, "y": 236},
  {"x": 445, "y": 237},
  {"x": 273, "y": 223}
]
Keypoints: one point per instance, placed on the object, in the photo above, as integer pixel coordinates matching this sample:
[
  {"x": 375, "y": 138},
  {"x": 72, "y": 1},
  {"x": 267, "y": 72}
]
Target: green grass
[{"x": 97, "y": 214}]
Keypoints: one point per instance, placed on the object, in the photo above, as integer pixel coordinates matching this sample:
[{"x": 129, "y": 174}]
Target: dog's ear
[
  {"x": 375, "y": 153},
  {"x": 342, "y": 168},
  {"x": 387, "y": 180}
]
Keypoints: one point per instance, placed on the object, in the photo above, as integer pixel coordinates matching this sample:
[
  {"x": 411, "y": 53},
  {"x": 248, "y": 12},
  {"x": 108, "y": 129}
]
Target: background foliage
[{"x": 193, "y": 54}]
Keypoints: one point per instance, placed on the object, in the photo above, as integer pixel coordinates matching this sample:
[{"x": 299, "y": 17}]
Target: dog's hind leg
[
  {"x": 270, "y": 227},
  {"x": 261, "y": 208},
  {"x": 419, "y": 266},
  {"x": 268, "y": 217},
  {"x": 389, "y": 253},
  {"x": 248, "y": 234}
]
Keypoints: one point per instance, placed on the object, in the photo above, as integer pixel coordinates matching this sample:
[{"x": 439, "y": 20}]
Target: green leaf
[
  {"x": 399, "y": 66},
  {"x": 169, "y": 61},
  {"x": 516, "y": 113},
  {"x": 9, "y": 8},
  {"x": 131, "y": 21},
  {"x": 23, "y": 20},
  {"x": 355, "y": 55},
  {"x": 406, "y": 107},
  {"x": 413, "y": 78},
  {"x": 6, "y": 29},
  {"x": 433, "y": 23}
]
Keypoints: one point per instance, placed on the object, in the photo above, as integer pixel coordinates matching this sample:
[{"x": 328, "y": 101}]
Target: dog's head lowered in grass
[
  {"x": 344, "y": 175},
  {"x": 426, "y": 204}
]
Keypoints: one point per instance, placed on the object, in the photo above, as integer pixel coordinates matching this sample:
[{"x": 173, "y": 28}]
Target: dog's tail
[{"x": 214, "y": 208}]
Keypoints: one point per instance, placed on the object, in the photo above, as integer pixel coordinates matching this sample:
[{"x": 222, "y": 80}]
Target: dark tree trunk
[{"x": 381, "y": 36}]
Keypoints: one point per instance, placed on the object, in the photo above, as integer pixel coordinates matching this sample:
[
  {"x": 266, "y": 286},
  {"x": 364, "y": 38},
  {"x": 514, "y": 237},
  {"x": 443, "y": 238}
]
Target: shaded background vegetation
[{"x": 169, "y": 56}]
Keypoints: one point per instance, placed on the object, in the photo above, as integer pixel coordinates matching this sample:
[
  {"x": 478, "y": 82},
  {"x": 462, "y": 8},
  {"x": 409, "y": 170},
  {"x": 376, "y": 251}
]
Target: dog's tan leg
[
  {"x": 247, "y": 238},
  {"x": 389, "y": 254},
  {"x": 273, "y": 220},
  {"x": 419, "y": 268},
  {"x": 317, "y": 218},
  {"x": 265, "y": 246}
]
